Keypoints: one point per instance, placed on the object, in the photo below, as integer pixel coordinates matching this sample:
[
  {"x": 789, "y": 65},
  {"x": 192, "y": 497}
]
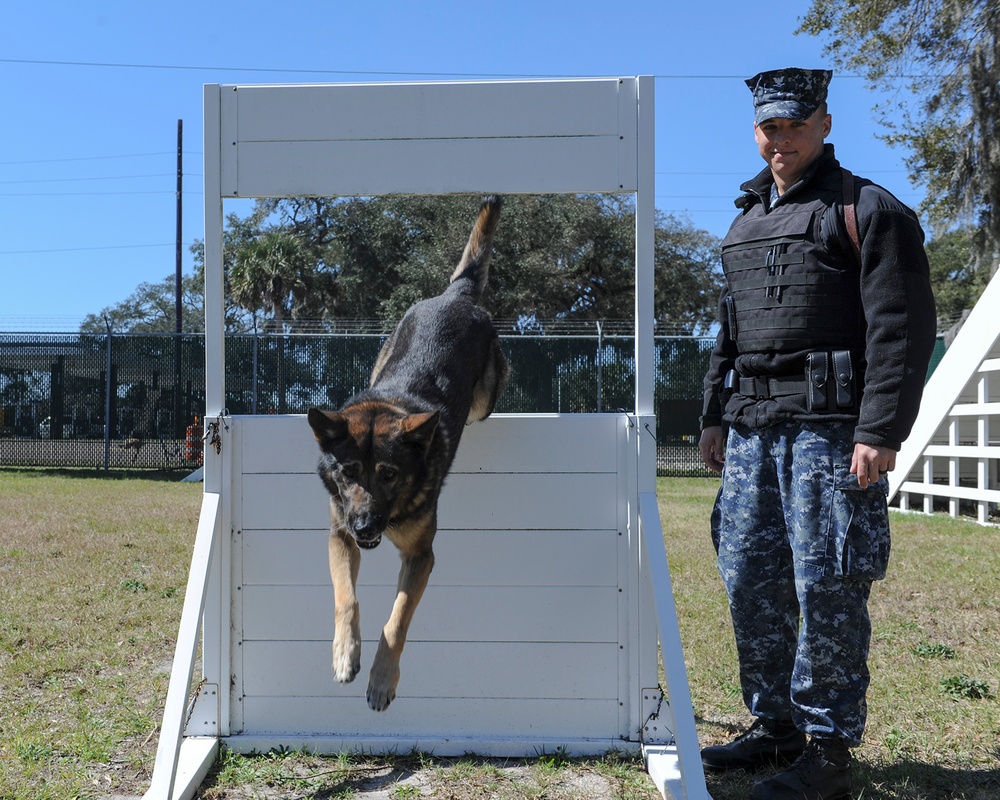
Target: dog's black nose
[{"x": 368, "y": 526}]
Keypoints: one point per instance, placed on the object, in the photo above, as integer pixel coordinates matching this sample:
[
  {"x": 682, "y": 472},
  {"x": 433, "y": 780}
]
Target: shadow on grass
[
  {"x": 903, "y": 780},
  {"x": 900, "y": 780},
  {"x": 115, "y": 474}
]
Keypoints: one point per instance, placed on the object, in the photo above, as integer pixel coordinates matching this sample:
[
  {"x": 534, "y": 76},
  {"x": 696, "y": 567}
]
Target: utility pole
[
  {"x": 178, "y": 325},
  {"x": 178, "y": 425}
]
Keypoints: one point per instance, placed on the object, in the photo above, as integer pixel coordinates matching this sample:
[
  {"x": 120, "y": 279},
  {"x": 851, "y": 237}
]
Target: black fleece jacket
[{"x": 897, "y": 305}]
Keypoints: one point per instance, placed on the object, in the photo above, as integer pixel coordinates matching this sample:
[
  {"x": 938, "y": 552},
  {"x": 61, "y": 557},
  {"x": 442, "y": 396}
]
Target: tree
[
  {"x": 688, "y": 276},
  {"x": 957, "y": 283},
  {"x": 565, "y": 257},
  {"x": 948, "y": 52},
  {"x": 317, "y": 261},
  {"x": 150, "y": 309},
  {"x": 273, "y": 273}
]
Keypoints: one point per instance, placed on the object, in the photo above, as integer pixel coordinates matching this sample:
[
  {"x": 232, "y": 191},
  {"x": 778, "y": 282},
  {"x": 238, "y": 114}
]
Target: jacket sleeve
[
  {"x": 722, "y": 360},
  {"x": 900, "y": 317}
]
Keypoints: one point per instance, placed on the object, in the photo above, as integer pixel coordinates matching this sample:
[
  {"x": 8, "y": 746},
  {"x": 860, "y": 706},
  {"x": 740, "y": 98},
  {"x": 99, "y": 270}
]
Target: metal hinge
[
  {"x": 654, "y": 727},
  {"x": 203, "y": 714}
]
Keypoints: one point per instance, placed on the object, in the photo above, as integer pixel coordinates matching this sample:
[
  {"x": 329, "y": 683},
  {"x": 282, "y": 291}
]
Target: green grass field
[{"x": 92, "y": 577}]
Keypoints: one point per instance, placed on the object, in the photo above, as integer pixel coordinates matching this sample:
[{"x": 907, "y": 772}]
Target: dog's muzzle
[
  {"x": 368, "y": 544},
  {"x": 366, "y": 528}
]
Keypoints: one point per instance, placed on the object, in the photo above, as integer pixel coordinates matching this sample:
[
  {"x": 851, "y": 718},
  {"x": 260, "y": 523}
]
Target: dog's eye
[
  {"x": 350, "y": 471},
  {"x": 388, "y": 474}
]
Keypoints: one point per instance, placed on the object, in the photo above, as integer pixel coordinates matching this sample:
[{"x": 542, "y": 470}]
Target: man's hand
[
  {"x": 871, "y": 463},
  {"x": 713, "y": 448}
]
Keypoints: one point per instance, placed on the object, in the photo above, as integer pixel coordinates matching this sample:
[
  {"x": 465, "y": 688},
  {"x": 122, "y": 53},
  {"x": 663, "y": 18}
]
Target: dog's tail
[{"x": 469, "y": 277}]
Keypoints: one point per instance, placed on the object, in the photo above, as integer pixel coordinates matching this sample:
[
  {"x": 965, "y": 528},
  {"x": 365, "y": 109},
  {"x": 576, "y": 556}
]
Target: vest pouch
[
  {"x": 817, "y": 377},
  {"x": 731, "y": 314},
  {"x": 843, "y": 376}
]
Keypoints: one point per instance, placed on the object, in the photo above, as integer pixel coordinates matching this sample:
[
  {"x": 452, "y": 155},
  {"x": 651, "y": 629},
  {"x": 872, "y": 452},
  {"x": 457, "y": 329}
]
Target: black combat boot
[
  {"x": 768, "y": 742},
  {"x": 822, "y": 772}
]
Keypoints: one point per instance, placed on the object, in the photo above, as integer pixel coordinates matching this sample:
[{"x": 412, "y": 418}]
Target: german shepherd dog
[{"x": 386, "y": 452}]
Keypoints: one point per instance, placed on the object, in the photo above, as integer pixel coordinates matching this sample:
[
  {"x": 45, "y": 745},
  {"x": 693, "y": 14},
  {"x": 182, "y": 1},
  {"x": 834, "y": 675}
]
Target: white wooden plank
[
  {"x": 171, "y": 732},
  {"x": 628, "y": 130},
  {"x": 441, "y": 670},
  {"x": 281, "y": 444},
  {"x": 963, "y": 451},
  {"x": 487, "y": 558},
  {"x": 284, "y": 502},
  {"x": 678, "y": 709},
  {"x": 960, "y": 492},
  {"x": 553, "y": 501},
  {"x": 430, "y": 166},
  {"x": 542, "y": 443},
  {"x": 445, "y": 614},
  {"x": 434, "y": 721},
  {"x": 498, "y": 746},
  {"x": 438, "y": 110},
  {"x": 502, "y": 443}
]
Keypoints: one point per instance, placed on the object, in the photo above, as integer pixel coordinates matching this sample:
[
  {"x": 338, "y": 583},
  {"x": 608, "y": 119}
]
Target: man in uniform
[{"x": 827, "y": 327}]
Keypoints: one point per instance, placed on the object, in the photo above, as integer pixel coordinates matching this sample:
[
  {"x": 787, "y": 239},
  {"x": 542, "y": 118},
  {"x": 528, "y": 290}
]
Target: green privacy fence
[{"x": 113, "y": 400}]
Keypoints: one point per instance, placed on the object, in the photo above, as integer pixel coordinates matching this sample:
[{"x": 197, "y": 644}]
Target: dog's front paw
[
  {"x": 382, "y": 681},
  {"x": 380, "y": 694},
  {"x": 346, "y": 658}
]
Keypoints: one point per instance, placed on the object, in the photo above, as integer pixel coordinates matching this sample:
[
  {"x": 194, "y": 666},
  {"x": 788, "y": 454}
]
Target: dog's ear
[
  {"x": 419, "y": 429},
  {"x": 329, "y": 427}
]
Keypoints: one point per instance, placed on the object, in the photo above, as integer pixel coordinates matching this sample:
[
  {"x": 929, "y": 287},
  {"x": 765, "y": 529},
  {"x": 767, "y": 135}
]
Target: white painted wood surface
[
  {"x": 429, "y": 138},
  {"x": 526, "y": 601}
]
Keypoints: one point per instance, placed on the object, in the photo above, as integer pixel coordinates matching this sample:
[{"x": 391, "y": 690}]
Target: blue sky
[{"x": 90, "y": 95}]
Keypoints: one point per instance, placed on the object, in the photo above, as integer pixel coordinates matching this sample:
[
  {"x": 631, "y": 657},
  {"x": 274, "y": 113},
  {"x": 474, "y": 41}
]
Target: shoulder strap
[{"x": 850, "y": 217}]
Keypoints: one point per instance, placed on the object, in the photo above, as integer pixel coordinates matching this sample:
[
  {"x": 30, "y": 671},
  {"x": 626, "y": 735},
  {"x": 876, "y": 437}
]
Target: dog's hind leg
[
  {"x": 490, "y": 385},
  {"x": 345, "y": 561},
  {"x": 413, "y": 576}
]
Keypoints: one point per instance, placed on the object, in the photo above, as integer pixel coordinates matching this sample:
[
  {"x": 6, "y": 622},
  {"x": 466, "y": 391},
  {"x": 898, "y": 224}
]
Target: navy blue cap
[{"x": 789, "y": 93}]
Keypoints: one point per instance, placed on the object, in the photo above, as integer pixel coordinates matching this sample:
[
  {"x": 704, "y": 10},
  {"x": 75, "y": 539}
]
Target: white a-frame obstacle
[
  {"x": 953, "y": 451},
  {"x": 539, "y": 628}
]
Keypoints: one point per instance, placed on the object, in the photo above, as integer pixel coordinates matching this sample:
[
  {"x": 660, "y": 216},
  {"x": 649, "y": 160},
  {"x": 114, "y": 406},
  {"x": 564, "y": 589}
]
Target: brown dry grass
[
  {"x": 92, "y": 573},
  {"x": 92, "y": 577},
  {"x": 942, "y": 595}
]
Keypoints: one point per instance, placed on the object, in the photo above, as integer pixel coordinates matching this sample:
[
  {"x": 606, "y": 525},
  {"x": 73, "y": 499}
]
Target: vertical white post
[
  {"x": 954, "y": 439},
  {"x": 215, "y": 315},
  {"x": 645, "y": 245}
]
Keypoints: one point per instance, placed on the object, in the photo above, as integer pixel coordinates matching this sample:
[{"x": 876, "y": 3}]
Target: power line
[
  {"x": 85, "y": 158},
  {"x": 96, "y": 194},
  {"x": 358, "y": 72},
  {"x": 203, "y": 68},
  {"x": 98, "y": 178},
  {"x": 85, "y": 249}
]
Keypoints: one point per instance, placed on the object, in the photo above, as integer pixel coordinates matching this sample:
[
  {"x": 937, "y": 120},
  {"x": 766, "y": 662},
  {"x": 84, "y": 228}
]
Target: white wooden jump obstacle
[
  {"x": 953, "y": 451},
  {"x": 539, "y": 627}
]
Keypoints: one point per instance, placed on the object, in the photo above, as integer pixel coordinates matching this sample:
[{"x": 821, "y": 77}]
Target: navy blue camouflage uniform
[{"x": 799, "y": 542}]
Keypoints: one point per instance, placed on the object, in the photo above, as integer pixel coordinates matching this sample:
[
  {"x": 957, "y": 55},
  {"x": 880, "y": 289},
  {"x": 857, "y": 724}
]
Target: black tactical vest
[{"x": 787, "y": 292}]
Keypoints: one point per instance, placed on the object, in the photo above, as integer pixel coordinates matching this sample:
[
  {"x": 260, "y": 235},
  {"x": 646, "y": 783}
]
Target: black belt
[
  {"x": 764, "y": 388},
  {"x": 827, "y": 383}
]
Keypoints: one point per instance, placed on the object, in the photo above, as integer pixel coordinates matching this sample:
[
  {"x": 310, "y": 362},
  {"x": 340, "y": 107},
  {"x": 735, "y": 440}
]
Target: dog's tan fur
[{"x": 386, "y": 452}]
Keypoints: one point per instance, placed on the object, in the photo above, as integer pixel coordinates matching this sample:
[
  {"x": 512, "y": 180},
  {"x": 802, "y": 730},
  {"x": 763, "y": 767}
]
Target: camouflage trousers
[{"x": 799, "y": 544}]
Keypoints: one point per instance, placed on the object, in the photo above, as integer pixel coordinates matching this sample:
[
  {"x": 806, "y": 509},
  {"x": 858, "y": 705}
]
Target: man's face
[{"x": 789, "y": 146}]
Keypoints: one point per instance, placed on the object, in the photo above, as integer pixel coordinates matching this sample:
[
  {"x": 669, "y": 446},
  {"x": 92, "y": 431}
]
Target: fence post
[
  {"x": 107, "y": 401},
  {"x": 600, "y": 362},
  {"x": 256, "y": 341}
]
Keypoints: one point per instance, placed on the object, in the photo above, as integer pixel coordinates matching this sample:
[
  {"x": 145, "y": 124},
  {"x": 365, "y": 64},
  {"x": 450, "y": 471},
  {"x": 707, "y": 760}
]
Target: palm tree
[{"x": 271, "y": 274}]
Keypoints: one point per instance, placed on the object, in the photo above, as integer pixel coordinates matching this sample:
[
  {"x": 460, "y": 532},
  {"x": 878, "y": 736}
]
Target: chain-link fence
[{"x": 120, "y": 400}]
